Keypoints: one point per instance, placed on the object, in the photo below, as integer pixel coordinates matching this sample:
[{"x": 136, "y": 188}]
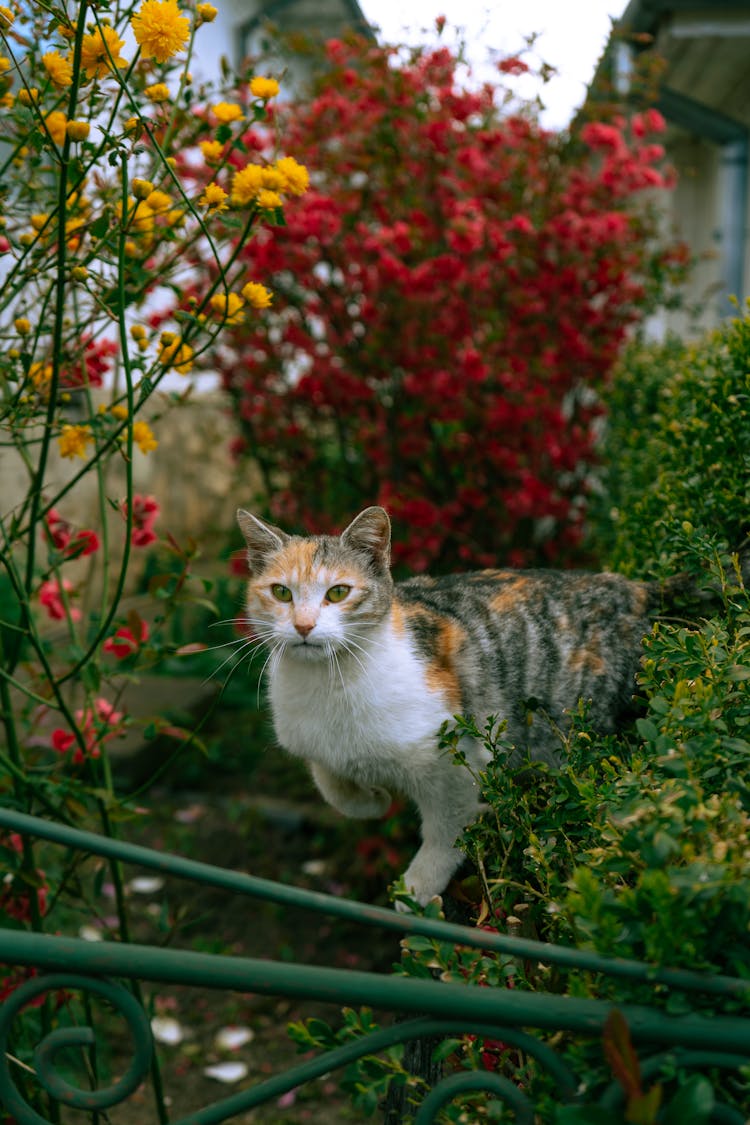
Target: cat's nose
[{"x": 303, "y": 628}]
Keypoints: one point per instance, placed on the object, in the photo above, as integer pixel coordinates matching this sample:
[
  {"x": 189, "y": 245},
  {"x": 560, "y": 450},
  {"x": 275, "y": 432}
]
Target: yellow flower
[
  {"x": 247, "y": 182},
  {"x": 272, "y": 179},
  {"x": 59, "y": 69},
  {"x": 214, "y": 198},
  {"x": 79, "y": 273},
  {"x": 159, "y": 29},
  {"x": 39, "y": 220},
  {"x": 158, "y": 201},
  {"x": 143, "y": 436},
  {"x": 22, "y": 325},
  {"x": 212, "y": 150},
  {"x": 120, "y": 412},
  {"x": 264, "y": 88},
  {"x": 73, "y": 441},
  {"x": 207, "y": 12},
  {"x": 56, "y": 122},
  {"x": 295, "y": 177},
  {"x": 229, "y": 308},
  {"x": 28, "y": 95},
  {"x": 139, "y": 216},
  {"x": 138, "y": 332},
  {"x": 226, "y": 112},
  {"x": 78, "y": 130},
  {"x": 269, "y": 200},
  {"x": 4, "y": 64},
  {"x": 159, "y": 92},
  {"x": 141, "y": 188},
  {"x": 173, "y": 353},
  {"x": 41, "y": 376},
  {"x": 176, "y": 217},
  {"x": 257, "y": 295},
  {"x": 6, "y": 16},
  {"x": 96, "y": 50}
]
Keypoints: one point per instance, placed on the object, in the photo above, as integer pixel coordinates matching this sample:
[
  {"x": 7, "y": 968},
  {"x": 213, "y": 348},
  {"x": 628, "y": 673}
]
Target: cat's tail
[{"x": 700, "y": 590}]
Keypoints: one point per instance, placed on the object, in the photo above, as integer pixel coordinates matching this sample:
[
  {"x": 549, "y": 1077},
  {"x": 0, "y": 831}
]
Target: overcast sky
[{"x": 572, "y": 34}]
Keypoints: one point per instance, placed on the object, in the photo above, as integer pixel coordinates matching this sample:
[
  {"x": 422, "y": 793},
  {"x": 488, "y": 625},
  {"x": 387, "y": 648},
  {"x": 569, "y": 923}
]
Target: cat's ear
[
  {"x": 263, "y": 539},
  {"x": 371, "y": 532}
]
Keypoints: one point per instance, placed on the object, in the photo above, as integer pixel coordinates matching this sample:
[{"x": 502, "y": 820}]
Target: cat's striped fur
[{"x": 363, "y": 673}]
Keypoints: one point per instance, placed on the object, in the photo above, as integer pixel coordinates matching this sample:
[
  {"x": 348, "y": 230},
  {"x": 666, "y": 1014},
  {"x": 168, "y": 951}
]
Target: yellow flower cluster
[
  {"x": 74, "y": 441},
  {"x": 285, "y": 177},
  {"x": 174, "y": 353}
]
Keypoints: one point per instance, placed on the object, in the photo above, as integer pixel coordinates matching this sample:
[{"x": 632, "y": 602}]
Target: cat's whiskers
[
  {"x": 334, "y": 664},
  {"x": 241, "y": 648}
]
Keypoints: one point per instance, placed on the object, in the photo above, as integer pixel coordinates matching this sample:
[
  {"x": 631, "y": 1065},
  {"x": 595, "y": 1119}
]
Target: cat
[{"x": 363, "y": 672}]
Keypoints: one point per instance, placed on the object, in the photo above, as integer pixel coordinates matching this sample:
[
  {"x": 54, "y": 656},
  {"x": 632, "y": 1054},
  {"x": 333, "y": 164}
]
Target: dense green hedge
[
  {"x": 640, "y": 845},
  {"x": 677, "y": 452}
]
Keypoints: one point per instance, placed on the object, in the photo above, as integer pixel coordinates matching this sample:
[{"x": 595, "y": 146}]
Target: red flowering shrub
[{"x": 444, "y": 298}]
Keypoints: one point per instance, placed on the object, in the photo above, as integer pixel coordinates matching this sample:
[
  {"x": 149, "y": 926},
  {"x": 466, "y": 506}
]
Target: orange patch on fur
[
  {"x": 512, "y": 591},
  {"x": 441, "y": 674},
  {"x": 397, "y": 619},
  {"x": 588, "y": 659}
]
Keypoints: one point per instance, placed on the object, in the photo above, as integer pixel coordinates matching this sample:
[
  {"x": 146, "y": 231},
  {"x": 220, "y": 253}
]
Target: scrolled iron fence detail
[
  {"x": 435, "y": 1008},
  {"x": 59, "y": 1088}
]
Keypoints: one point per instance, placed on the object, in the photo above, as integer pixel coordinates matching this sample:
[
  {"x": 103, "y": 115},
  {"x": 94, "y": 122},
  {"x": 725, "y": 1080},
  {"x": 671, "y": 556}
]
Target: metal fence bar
[
  {"x": 434, "y": 1007},
  {"x": 267, "y": 890},
  {"x": 512, "y": 1008}
]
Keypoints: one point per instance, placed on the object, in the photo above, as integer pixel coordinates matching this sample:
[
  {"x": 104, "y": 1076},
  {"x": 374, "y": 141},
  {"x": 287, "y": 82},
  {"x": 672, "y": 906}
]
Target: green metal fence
[{"x": 433, "y": 1007}]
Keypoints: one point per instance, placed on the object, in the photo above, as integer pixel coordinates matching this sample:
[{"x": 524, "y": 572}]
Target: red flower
[
  {"x": 513, "y": 65},
  {"x": 73, "y": 545},
  {"x": 145, "y": 510},
  {"x": 124, "y": 642},
  {"x": 95, "y": 725},
  {"x": 51, "y": 597}
]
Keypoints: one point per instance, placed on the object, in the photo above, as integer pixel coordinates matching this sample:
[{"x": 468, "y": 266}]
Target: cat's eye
[
  {"x": 281, "y": 593},
  {"x": 337, "y": 593}
]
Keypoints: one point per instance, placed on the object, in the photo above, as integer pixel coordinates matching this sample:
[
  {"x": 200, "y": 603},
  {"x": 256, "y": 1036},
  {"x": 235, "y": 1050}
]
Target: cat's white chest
[{"x": 375, "y": 722}]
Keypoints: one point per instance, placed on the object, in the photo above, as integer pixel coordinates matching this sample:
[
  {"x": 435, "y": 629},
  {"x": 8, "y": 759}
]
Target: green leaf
[
  {"x": 90, "y": 677},
  {"x": 99, "y": 227},
  {"x": 693, "y": 1102},
  {"x": 647, "y": 730},
  {"x": 444, "y": 1049}
]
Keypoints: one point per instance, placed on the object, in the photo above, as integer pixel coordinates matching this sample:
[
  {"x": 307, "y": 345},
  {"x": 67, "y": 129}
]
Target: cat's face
[{"x": 313, "y": 597}]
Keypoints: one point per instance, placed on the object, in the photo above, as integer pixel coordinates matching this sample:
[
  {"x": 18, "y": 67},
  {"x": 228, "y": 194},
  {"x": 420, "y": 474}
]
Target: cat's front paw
[
  {"x": 368, "y": 801},
  {"x": 411, "y": 905}
]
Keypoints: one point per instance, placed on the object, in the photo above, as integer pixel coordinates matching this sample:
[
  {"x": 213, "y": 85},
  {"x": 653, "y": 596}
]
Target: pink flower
[
  {"x": 96, "y": 725},
  {"x": 513, "y": 65},
  {"x": 124, "y": 641},
  {"x": 145, "y": 510},
  {"x": 51, "y": 597},
  {"x": 73, "y": 545}
]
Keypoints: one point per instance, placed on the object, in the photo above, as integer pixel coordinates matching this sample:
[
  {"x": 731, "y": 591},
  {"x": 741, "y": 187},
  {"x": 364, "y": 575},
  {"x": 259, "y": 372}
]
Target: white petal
[
  {"x": 146, "y": 884},
  {"x": 226, "y": 1071},
  {"x": 90, "y": 933},
  {"x": 167, "y": 1030},
  {"x": 232, "y": 1037}
]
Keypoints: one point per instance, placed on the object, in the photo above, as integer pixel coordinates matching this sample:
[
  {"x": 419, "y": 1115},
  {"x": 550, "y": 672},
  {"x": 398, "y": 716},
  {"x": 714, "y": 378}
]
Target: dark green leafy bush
[
  {"x": 639, "y": 846},
  {"x": 677, "y": 450}
]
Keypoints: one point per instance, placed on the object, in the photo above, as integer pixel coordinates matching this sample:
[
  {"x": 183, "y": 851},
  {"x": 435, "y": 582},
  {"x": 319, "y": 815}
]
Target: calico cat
[{"x": 363, "y": 672}]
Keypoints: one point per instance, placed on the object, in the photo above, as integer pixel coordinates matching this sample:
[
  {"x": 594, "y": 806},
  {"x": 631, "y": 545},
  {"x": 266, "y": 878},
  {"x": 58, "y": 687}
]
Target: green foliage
[
  {"x": 677, "y": 449},
  {"x": 639, "y": 845}
]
